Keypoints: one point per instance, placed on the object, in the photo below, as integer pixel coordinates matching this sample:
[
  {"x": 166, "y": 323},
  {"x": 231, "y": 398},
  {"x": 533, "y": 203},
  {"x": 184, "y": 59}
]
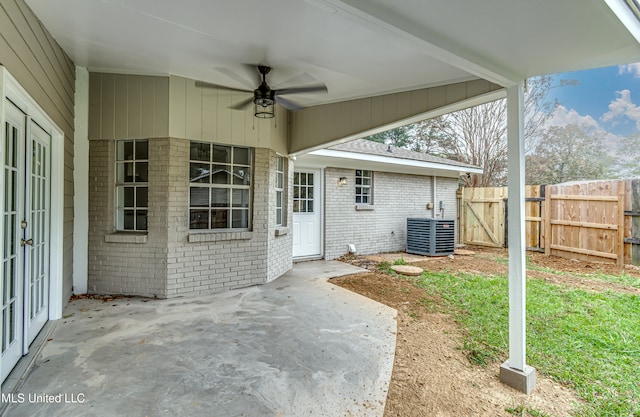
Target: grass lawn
[{"x": 587, "y": 340}]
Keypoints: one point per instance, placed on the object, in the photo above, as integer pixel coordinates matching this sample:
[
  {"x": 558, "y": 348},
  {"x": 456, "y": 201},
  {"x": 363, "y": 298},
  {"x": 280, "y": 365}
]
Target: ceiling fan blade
[
  {"x": 252, "y": 71},
  {"x": 289, "y": 105},
  {"x": 203, "y": 84},
  {"x": 234, "y": 75},
  {"x": 300, "y": 79},
  {"x": 310, "y": 89},
  {"x": 242, "y": 105}
]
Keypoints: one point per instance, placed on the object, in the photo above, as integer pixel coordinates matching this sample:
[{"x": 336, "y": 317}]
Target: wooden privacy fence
[{"x": 594, "y": 220}]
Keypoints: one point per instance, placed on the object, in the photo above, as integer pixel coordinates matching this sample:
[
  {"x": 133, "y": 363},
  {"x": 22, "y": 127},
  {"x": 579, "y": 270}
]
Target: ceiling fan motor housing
[{"x": 263, "y": 95}]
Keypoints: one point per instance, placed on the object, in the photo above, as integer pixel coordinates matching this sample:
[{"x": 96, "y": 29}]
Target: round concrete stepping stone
[{"x": 411, "y": 271}]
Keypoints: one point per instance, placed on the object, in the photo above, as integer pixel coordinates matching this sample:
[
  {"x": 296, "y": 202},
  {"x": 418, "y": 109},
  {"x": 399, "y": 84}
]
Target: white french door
[
  {"x": 307, "y": 220},
  {"x": 26, "y": 209}
]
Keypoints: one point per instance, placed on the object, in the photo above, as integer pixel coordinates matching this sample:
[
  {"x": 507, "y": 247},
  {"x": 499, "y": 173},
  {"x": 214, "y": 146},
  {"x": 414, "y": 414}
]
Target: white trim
[
  {"x": 19, "y": 96},
  {"x": 332, "y": 153},
  {"x": 626, "y": 17},
  {"x": 81, "y": 183},
  {"x": 517, "y": 236},
  {"x": 321, "y": 211}
]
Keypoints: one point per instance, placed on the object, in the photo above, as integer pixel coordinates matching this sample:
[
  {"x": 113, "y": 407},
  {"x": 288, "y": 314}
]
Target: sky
[{"x": 604, "y": 99}]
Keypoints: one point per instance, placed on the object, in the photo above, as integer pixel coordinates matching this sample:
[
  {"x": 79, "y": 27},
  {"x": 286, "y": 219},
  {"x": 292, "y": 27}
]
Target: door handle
[{"x": 26, "y": 242}]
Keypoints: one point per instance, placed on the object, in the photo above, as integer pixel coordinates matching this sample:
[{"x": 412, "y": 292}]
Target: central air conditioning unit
[{"x": 431, "y": 237}]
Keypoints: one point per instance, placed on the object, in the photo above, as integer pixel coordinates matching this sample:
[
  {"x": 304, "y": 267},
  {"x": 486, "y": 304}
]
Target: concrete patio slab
[{"x": 298, "y": 346}]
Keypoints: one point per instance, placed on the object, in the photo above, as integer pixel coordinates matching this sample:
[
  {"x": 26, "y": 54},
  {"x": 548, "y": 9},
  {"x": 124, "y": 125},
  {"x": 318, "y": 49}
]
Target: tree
[
  {"x": 567, "y": 153},
  {"x": 628, "y": 164},
  {"x": 478, "y": 135},
  {"x": 397, "y": 137}
]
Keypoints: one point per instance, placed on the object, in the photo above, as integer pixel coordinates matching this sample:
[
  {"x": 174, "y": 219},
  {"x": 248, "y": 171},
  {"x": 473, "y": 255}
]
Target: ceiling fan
[{"x": 264, "y": 97}]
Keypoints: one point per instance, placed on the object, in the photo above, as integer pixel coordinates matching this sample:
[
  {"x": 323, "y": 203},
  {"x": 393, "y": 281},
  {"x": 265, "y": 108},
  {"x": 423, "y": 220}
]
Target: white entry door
[
  {"x": 25, "y": 246},
  {"x": 307, "y": 214}
]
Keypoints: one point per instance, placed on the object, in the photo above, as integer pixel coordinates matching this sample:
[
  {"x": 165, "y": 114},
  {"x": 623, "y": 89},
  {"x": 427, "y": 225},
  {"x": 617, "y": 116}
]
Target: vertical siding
[
  {"x": 128, "y": 106},
  {"x": 33, "y": 57},
  {"x": 316, "y": 126},
  {"x": 199, "y": 113}
]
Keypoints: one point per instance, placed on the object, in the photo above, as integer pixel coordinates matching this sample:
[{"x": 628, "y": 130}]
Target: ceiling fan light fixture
[{"x": 264, "y": 103}]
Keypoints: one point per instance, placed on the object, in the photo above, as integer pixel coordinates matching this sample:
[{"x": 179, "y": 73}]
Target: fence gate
[
  {"x": 483, "y": 214},
  {"x": 586, "y": 220}
]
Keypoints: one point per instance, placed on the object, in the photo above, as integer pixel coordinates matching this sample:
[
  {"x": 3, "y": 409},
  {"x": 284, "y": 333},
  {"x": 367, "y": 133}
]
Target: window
[
  {"x": 303, "y": 192},
  {"x": 219, "y": 186},
  {"x": 363, "y": 187},
  {"x": 279, "y": 189},
  {"x": 132, "y": 189}
]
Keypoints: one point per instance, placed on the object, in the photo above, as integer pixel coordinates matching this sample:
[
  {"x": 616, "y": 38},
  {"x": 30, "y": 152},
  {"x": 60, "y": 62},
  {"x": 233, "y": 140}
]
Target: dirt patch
[
  {"x": 431, "y": 374},
  {"x": 493, "y": 261}
]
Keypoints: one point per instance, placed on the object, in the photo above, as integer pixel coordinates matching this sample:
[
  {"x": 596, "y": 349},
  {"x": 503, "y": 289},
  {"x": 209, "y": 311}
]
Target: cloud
[
  {"x": 622, "y": 108},
  {"x": 562, "y": 116},
  {"x": 630, "y": 69}
]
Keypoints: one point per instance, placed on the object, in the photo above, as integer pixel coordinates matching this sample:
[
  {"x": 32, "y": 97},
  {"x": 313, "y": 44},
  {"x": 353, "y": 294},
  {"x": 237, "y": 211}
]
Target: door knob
[{"x": 26, "y": 242}]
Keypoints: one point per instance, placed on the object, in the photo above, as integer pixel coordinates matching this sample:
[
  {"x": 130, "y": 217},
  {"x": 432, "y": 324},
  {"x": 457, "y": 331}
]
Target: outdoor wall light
[{"x": 342, "y": 181}]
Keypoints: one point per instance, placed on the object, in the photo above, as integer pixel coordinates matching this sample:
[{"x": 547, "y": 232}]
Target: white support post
[
  {"x": 81, "y": 183},
  {"x": 514, "y": 371}
]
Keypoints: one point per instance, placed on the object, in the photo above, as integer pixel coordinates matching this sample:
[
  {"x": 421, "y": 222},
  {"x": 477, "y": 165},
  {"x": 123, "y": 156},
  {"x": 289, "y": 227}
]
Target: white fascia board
[
  {"x": 362, "y": 157},
  {"x": 626, "y": 16}
]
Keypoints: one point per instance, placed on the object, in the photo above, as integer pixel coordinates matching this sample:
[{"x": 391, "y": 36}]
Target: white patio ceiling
[{"x": 357, "y": 48}]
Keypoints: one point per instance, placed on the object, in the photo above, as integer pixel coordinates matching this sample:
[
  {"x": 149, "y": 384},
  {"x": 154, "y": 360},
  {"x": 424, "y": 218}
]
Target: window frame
[
  {"x": 121, "y": 166},
  {"x": 280, "y": 180},
  {"x": 234, "y": 169},
  {"x": 360, "y": 179}
]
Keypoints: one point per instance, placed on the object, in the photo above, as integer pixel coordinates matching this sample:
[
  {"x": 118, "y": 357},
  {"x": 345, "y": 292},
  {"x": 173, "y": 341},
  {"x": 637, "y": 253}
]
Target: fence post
[
  {"x": 621, "y": 203},
  {"x": 635, "y": 222},
  {"x": 548, "y": 235}
]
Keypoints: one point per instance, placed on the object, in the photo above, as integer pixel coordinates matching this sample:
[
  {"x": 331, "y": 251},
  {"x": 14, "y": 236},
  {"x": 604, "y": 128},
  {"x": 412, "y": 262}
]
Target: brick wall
[
  {"x": 170, "y": 260},
  {"x": 200, "y": 263},
  {"x": 121, "y": 263},
  {"x": 383, "y": 227},
  {"x": 281, "y": 238}
]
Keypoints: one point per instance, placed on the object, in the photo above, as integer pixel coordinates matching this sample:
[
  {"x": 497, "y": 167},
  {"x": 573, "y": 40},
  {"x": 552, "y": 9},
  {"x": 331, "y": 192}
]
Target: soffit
[{"x": 358, "y": 48}]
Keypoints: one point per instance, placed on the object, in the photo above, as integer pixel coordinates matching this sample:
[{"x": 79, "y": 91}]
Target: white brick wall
[
  {"x": 121, "y": 266},
  {"x": 172, "y": 261},
  {"x": 383, "y": 229},
  {"x": 280, "y": 243}
]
